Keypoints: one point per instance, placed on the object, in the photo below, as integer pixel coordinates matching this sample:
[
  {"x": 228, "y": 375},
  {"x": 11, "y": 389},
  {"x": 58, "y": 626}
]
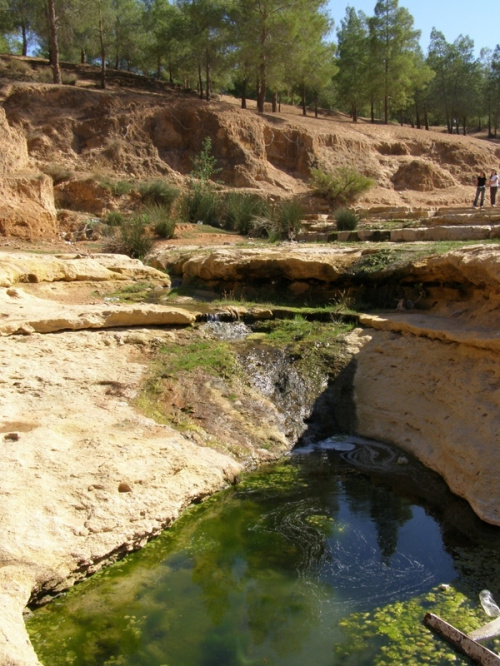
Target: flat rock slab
[
  {"x": 434, "y": 327},
  {"x": 22, "y": 313},
  {"x": 33, "y": 268}
]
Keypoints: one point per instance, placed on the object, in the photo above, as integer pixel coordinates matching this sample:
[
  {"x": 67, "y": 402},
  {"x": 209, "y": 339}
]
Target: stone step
[
  {"x": 394, "y": 213},
  {"x": 318, "y": 217},
  {"x": 409, "y": 235}
]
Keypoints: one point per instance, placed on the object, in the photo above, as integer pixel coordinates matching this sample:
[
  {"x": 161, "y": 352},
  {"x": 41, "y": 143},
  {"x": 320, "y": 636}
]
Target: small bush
[
  {"x": 20, "y": 68},
  {"x": 346, "y": 219},
  {"x": 132, "y": 239},
  {"x": 204, "y": 164},
  {"x": 69, "y": 79},
  {"x": 117, "y": 187},
  {"x": 202, "y": 204},
  {"x": 44, "y": 75},
  {"x": 159, "y": 193},
  {"x": 58, "y": 173},
  {"x": 343, "y": 186},
  {"x": 114, "y": 219},
  {"x": 161, "y": 221},
  {"x": 121, "y": 187},
  {"x": 239, "y": 209},
  {"x": 262, "y": 226},
  {"x": 287, "y": 217}
]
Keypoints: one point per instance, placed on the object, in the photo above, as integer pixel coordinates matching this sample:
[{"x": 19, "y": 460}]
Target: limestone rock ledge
[
  {"x": 35, "y": 268},
  {"x": 437, "y": 398},
  {"x": 85, "y": 477},
  {"x": 25, "y": 314}
]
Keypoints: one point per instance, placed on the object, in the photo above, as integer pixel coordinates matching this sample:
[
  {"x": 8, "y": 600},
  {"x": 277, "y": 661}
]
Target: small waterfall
[{"x": 225, "y": 330}]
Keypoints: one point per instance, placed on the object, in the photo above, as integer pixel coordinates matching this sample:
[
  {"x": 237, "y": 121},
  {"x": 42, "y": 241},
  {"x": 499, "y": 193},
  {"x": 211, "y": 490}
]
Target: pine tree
[
  {"x": 353, "y": 62},
  {"x": 394, "y": 48}
]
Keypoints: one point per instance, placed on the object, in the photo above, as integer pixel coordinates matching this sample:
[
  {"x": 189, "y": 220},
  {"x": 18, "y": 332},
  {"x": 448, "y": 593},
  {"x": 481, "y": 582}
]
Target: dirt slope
[{"x": 84, "y": 137}]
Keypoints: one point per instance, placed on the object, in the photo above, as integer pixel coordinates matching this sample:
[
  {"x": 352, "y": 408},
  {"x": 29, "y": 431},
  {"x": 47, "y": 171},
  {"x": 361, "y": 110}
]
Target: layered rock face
[
  {"x": 27, "y": 207},
  {"x": 439, "y": 400}
]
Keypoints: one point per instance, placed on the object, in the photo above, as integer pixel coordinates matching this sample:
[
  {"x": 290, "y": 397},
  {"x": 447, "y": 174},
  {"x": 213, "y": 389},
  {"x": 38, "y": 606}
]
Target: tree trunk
[
  {"x": 200, "y": 81},
  {"x": 464, "y": 125},
  {"x": 54, "y": 44},
  {"x": 275, "y": 102},
  {"x": 372, "y": 112},
  {"x": 261, "y": 96},
  {"x": 354, "y": 113},
  {"x": 303, "y": 100},
  {"x": 244, "y": 94},
  {"x": 103, "y": 51},
  {"x": 207, "y": 75},
  {"x": 25, "y": 41},
  {"x": 83, "y": 56}
]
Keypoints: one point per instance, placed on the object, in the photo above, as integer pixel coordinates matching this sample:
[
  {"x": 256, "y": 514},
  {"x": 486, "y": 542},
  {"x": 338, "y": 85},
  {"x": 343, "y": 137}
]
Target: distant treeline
[{"x": 272, "y": 51}]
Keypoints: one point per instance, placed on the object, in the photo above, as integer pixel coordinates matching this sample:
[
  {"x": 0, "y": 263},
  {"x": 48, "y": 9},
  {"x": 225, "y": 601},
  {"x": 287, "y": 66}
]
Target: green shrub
[
  {"x": 44, "y": 75},
  {"x": 343, "y": 186},
  {"x": 346, "y": 219},
  {"x": 132, "y": 238},
  {"x": 161, "y": 221},
  {"x": 159, "y": 193},
  {"x": 117, "y": 187},
  {"x": 114, "y": 219},
  {"x": 204, "y": 164},
  {"x": 287, "y": 218},
  {"x": 239, "y": 209},
  {"x": 202, "y": 204},
  {"x": 69, "y": 79},
  {"x": 121, "y": 187}
]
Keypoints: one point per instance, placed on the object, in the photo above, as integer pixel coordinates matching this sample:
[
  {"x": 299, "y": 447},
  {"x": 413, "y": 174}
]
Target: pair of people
[{"x": 494, "y": 182}]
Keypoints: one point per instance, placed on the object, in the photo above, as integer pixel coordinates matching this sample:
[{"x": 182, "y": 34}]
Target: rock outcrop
[
  {"x": 86, "y": 477},
  {"x": 27, "y": 208},
  {"x": 438, "y": 399}
]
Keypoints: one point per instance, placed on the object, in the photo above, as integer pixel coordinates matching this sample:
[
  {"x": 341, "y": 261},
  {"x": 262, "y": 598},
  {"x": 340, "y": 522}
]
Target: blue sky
[{"x": 479, "y": 21}]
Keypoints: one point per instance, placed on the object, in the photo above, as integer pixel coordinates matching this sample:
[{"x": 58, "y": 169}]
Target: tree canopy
[{"x": 271, "y": 51}]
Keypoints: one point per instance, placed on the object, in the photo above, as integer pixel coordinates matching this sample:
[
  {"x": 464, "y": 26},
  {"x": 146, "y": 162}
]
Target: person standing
[
  {"x": 480, "y": 189},
  {"x": 494, "y": 182}
]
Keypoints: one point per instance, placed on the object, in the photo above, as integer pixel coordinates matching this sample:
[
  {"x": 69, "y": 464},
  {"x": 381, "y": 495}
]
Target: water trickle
[{"x": 225, "y": 330}]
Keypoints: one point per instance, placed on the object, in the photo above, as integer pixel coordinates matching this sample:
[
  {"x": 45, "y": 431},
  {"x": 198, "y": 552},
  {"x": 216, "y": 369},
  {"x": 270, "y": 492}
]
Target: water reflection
[{"x": 269, "y": 572}]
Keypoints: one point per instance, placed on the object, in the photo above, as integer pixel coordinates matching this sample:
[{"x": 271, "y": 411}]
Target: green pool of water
[{"x": 330, "y": 557}]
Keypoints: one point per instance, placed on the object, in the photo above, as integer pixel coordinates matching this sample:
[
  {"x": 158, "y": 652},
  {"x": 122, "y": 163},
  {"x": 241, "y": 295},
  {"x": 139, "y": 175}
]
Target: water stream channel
[{"x": 331, "y": 556}]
